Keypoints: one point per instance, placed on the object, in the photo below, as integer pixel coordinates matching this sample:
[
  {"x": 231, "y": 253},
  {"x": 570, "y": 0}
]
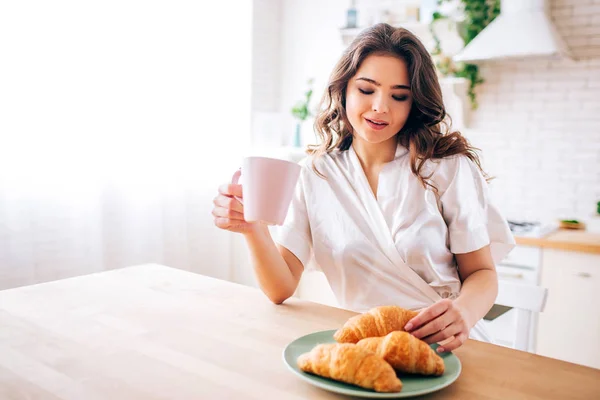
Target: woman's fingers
[
  {"x": 222, "y": 212},
  {"x": 427, "y": 315},
  {"x": 233, "y": 225},
  {"x": 432, "y": 327},
  {"x": 228, "y": 210},
  {"x": 449, "y": 331},
  {"x": 455, "y": 344},
  {"x": 230, "y": 203},
  {"x": 231, "y": 189},
  {"x": 223, "y": 223},
  {"x": 229, "y": 224}
]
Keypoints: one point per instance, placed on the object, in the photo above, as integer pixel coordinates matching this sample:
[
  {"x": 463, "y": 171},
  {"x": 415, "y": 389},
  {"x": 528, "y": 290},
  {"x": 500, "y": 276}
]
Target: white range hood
[{"x": 522, "y": 29}]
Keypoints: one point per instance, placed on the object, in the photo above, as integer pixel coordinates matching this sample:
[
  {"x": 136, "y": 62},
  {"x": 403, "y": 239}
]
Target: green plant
[
  {"x": 301, "y": 110},
  {"x": 477, "y": 15},
  {"x": 569, "y": 221}
]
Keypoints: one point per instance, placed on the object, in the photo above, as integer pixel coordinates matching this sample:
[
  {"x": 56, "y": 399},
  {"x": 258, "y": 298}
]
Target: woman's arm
[
  {"x": 480, "y": 283},
  {"x": 446, "y": 318},
  {"x": 277, "y": 269}
]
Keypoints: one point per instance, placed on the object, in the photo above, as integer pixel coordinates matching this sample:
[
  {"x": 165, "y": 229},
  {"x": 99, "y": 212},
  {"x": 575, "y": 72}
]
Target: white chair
[{"x": 526, "y": 300}]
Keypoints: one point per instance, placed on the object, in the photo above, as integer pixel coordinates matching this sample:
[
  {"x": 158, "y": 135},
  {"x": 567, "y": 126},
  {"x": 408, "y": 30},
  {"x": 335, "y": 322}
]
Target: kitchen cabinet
[{"x": 569, "y": 327}]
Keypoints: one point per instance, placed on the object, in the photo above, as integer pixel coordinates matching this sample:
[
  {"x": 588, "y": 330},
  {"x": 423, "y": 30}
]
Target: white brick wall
[{"x": 538, "y": 124}]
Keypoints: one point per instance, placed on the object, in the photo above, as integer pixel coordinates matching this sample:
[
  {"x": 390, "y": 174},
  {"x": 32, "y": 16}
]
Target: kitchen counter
[
  {"x": 565, "y": 239},
  {"x": 152, "y": 332}
]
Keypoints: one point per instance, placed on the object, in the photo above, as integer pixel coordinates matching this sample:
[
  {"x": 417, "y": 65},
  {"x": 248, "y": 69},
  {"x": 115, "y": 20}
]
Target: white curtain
[{"x": 118, "y": 121}]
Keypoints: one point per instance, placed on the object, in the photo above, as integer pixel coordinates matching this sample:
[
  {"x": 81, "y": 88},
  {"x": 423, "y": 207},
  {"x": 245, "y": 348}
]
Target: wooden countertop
[
  {"x": 151, "y": 332},
  {"x": 565, "y": 239}
]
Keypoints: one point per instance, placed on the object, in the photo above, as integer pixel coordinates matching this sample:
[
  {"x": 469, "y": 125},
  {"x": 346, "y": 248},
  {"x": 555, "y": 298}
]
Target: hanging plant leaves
[{"x": 478, "y": 14}]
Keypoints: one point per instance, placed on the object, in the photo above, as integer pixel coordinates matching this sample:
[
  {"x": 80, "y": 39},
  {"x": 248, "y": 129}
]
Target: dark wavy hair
[{"x": 426, "y": 133}]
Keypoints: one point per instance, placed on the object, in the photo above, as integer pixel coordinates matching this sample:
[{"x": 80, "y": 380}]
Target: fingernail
[
  {"x": 440, "y": 350},
  {"x": 408, "y": 327}
]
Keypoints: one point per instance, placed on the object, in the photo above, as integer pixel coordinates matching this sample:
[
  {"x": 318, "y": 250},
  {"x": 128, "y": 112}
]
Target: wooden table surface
[{"x": 152, "y": 332}]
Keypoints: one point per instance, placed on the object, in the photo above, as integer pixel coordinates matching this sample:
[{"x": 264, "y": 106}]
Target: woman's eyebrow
[{"x": 374, "y": 82}]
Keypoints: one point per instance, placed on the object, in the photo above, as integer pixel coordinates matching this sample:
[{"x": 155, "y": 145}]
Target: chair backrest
[
  {"x": 526, "y": 300},
  {"x": 522, "y": 296}
]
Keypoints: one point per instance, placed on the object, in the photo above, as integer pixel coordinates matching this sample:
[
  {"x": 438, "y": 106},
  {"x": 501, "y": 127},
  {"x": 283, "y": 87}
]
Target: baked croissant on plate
[
  {"x": 349, "y": 363},
  {"x": 405, "y": 353},
  {"x": 378, "y": 321}
]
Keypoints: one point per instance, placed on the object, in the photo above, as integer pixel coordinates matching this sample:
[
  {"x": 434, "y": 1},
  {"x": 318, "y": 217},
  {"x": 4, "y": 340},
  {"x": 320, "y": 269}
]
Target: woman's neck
[{"x": 373, "y": 156}]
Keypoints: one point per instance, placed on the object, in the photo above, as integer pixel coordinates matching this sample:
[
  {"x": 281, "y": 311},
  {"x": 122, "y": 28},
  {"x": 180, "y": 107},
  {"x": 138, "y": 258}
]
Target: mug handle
[{"x": 235, "y": 179}]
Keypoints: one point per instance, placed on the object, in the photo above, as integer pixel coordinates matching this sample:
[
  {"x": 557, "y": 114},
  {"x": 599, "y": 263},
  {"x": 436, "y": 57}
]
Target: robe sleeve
[
  {"x": 473, "y": 221},
  {"x": 295, "y": 234}
]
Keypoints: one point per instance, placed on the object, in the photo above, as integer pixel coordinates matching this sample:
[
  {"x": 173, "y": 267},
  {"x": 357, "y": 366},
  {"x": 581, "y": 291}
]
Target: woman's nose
[{"x": 379, "y": 104}]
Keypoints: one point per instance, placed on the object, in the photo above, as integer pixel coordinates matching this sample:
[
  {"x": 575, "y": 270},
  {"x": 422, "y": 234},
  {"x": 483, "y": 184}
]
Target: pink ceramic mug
[{"x": 268, "y": 186}]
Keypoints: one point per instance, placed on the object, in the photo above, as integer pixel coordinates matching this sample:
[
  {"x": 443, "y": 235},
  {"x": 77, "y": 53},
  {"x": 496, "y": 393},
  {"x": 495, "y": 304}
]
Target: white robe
[{"x": 398, "y": 247}]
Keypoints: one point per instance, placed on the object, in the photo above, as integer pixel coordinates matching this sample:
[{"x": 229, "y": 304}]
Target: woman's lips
[{"x": 375, "y": 125}]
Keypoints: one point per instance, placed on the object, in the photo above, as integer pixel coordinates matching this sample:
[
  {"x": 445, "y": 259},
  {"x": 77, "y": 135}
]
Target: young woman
[{"x": 392, "y": 206}]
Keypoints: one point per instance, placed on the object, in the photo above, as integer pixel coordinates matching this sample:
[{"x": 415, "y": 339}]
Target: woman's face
[{"x": 378, "y": 98}]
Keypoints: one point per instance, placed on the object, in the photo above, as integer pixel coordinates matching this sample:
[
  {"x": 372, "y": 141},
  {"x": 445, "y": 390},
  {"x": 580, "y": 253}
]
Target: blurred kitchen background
[{"x": 118, "y": 121}]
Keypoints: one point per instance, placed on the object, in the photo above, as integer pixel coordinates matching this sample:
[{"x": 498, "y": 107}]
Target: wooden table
[{"x": 152, "y": 332}]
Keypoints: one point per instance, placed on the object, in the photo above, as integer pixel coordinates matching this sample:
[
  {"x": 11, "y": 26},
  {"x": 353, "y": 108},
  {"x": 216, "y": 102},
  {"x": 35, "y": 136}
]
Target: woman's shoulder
[
  {"x": 445, "y": 170},
  {"x": 452, "y": 163}
]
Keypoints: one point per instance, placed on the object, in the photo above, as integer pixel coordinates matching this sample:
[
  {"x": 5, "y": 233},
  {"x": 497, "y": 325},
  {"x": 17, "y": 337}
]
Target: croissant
[
  {"x": 349, "y": 363},
  {"x": 378, "y": 321},
  {"x": 405, "y": 353}
]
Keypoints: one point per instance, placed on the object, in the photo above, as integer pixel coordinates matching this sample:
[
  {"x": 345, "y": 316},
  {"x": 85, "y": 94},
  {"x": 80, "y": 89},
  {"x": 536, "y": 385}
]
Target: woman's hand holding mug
[
  {"x": 229, "y": 211},
  {"x": 269, "y": 185}
]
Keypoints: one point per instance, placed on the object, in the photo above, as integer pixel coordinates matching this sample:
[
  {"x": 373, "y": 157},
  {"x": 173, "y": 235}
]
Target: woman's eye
[
  {"x": 365, "y": 91},
  {"x": 400, "y": 98}
]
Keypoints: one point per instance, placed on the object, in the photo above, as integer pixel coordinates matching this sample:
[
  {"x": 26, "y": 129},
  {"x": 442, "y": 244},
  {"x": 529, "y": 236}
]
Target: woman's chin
[{"x": 374, "y": 137}]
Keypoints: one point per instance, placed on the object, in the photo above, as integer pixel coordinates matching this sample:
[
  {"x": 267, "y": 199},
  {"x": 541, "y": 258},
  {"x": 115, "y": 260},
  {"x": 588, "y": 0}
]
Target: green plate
[{"x": 412, "y": 385}]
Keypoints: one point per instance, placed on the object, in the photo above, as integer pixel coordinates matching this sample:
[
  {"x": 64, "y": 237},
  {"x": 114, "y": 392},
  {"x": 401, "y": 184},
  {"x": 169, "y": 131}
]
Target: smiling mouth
[{"x": 376, "y": 124}]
